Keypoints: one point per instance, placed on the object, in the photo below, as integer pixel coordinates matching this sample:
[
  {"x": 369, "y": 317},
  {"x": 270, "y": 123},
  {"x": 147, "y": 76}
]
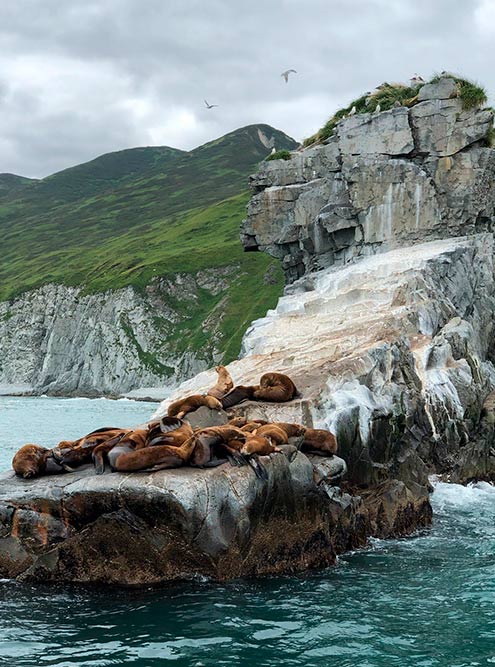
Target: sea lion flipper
[{"x": 258, "y": 467}]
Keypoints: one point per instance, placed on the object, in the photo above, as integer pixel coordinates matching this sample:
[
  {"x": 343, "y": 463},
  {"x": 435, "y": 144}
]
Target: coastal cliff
[
  {"x": 387, "y": 330},
  {"x": 381, "y": 180}
]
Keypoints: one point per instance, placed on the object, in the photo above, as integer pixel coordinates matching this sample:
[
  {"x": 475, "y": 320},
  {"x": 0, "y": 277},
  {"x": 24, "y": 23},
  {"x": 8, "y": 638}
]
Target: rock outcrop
[
  {"x": 383, "y": 180},
  {"x": 146, "y": 528}
]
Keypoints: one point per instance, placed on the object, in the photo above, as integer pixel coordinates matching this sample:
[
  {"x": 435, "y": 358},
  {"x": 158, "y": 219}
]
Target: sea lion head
[
  {"x": 258, "y": 444},
  {"x": 30, "y": 461}
]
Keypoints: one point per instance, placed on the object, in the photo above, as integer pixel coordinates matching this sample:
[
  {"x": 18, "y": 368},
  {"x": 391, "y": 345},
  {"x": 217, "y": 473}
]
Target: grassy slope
[{"x": 130, "y": 216}]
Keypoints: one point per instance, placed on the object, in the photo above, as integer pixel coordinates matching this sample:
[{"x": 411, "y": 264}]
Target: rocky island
[{"x": 385, "y": 234}]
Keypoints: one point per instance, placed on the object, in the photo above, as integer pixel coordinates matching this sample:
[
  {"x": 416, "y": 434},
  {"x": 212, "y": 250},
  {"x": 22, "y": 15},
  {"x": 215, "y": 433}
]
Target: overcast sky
[{"x": 79, "y": 78}]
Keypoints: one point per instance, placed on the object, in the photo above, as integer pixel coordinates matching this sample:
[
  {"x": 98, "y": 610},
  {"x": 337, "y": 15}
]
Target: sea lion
[
  {"x": 224, "y": 383},
  {"x": 133, "y": 439},
  {"x": 182, "y": 406},
  {"x": 260, "y": 445},
  {"x": 273, "y": 432},
  {"x": 173, "y": 436},
  {"x": 124, "y": 458},
  {"x": 319, "y": 441},
  {"x": 240, "y": 422},
  {"x": 33, "y": 461},
  {"x": 292, "y": 430},
  {"x": 274, "y": 387},
  {"x": 78, "y": 452},
  {"x": 251, "y": 426},
  {"x": 218, "y": 440},
  {"x": 238, "y": 394}
]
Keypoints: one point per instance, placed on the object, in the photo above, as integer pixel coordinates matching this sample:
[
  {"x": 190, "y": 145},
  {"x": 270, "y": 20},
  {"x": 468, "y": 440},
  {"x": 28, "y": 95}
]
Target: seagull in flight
[
  {"x": 209, "y": 106},
  {"x": 286, "y": 74}
]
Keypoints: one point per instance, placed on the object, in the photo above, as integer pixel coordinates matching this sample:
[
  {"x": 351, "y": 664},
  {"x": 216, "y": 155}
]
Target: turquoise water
[{"x": 425, "y": 601}]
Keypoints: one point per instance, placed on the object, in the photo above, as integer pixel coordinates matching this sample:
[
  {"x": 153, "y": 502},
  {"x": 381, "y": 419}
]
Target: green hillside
[
  {"x": 10, "y": 183},
  {"x": 128, "y": 217}
]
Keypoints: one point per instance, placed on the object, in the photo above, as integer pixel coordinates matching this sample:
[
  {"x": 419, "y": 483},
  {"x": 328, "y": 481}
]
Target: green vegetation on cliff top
[
  {"x": 131, "y": 216},
  {"x": 388, "y": 94}
]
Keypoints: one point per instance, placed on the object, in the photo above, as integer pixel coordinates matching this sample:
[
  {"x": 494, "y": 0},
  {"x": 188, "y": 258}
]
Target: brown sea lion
[
  {"x": 273, "y": 432},
  {"x": 182, "y": 406},
  {"x": 319, "y": 441},
  {"x": 240, "y": 422},
  {"x": 274, "y": 387},
  {"x": 260, "y": 445},
  {"x": 224, "y": 383},
  {"x": 292, "y": 430},
  {"x": 33, "y": 461},
  {"x": 251, "y": 426},
  {"x": 173, "y": 436},
  {"x": 123, "y": 458}
]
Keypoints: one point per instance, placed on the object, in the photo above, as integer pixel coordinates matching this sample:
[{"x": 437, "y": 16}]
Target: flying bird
[
  {"x": 210, "y": 106},
  {"x": 286, "y": 74}
]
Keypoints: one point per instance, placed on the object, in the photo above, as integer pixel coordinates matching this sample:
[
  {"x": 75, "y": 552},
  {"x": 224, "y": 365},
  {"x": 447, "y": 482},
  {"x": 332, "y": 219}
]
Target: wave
[{"x": 447, "y": 497}]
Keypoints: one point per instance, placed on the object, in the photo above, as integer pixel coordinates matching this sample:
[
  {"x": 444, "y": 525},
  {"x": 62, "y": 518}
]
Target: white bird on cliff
[
  {"x": 378, "y": 108},
  {"x": 286, "y": 74},
  {"x": 352, "y": 111},
  {"x": 209, "y": 106},
  {"x": 273, "y": 151},
  {"x": 416, "y": 80}
]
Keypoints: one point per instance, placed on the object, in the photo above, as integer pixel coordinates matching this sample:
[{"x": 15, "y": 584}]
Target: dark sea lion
[
  {"x": 174, "y": 436},
  {"x": 33, "y": 461},
  {"x": 217, "y": 442},
  {"x": 319, "y": 441},
  {"x": 224, "y": 383},
  {"x": 237, "y": 395},
  {"x": 78, "y": 452},
  {"x": 182, "y": 406}
]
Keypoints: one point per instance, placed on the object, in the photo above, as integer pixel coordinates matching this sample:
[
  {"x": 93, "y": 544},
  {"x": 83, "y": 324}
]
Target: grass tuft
[{"x": 279, "y": 155}]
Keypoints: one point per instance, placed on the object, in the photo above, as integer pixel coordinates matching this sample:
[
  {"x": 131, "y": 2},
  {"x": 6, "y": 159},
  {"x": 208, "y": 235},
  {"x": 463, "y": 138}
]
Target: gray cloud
[{"x": 81, "y": 78}]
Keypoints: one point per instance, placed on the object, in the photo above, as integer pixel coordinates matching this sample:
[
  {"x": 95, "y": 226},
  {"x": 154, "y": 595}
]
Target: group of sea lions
[{"x": 172, "y": 442}]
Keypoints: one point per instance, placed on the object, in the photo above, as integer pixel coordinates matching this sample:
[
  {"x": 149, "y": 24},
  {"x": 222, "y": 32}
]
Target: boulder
[{"x": 147, "y": 528}]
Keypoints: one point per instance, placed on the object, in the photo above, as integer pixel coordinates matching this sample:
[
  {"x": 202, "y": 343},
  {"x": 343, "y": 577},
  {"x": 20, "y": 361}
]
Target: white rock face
[{"x": 391, "y": 353}]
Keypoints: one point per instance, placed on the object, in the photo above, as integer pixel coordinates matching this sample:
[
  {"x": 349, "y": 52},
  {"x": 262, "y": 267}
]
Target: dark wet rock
[{"x": 146, "y": 528}]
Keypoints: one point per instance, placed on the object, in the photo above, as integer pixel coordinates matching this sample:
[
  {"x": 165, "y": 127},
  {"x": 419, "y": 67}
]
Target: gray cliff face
[
  {"x": 57, "y": 340},
  {"x": 383, "y": 180}
]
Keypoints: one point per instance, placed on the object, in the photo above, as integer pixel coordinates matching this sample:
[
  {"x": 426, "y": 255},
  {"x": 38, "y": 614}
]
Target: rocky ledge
[{"x": 147, "y": 528}]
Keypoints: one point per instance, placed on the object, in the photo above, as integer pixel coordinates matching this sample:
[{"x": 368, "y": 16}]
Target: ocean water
[{"x": 424, "y": 601}]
